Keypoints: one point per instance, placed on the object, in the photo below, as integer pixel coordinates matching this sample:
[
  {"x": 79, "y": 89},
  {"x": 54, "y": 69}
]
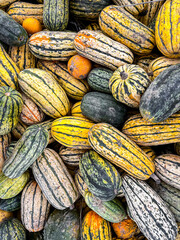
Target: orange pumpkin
[
  {"x": 79, "y": 66},
  {"x": 32, "y": 25},
  {"x": 125, "y": 229}
]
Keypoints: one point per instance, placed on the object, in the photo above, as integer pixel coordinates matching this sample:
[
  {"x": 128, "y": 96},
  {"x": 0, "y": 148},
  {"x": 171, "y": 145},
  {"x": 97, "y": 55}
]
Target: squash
[
  {"x": 4, "y": 143},
  {"x": 11, "y": 204},
  {"x": 76, "y": 110}
]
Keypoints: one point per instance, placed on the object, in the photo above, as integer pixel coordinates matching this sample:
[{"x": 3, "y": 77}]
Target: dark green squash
[{"x": 11, "y": 204}]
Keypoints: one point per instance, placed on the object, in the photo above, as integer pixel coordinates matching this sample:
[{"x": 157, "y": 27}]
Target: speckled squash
[
  {"x": 74, "y": 88},
  {"x": 76, "y": 110},
  {"x": 4, "y": 215},
  {"x": 101, "y": 177},
  {"x": 34, "y": 207},
  {"x": 52, "y": 45},
  {"x": 71, "y": 156},
  {"x": 10, "y": 149},
  {"x": 156, "y": 220},
  {"x": 72, "y": 132},
  {"x": 54, "y": 180},
  {"x": 45, "y": 91},
  {"x": 168, "y": 169},
  {"x": 101, "y": 49},
  {"x": 158, "y": 65},
  {"x": 62, "y": 224},
  {"x": 4, "y": 143},
  {"x": 80, "y": 183},
  {"x": 128, "y": 83},
  {"x": 47, "y": 125},
  {"x": 19, "y": 129},
  {"x": 8, "y": 70},
  {"x": 10, "y": 108},
  {"x": 95, "y": 227},
  {"x": 11, "y": 187},
  {"x": 164, "y": 89},
  {"x": 112, "y": 211},
  {"x": 22, "y": 56},
  {"x": 150, "y": 152},
  {"x": 144, "y": 61},
  {"x": 167, "y": 29},
  {"x": 19, "y": 11},
  {"x": 146, "y": 133},
  {"x": 126, "y": 228},
  {"x": 120, "y": 150},
  {"x": 126, "y": 29},
  {"x": 5, "y": 3},
  {"x": 11, "y": 204}
]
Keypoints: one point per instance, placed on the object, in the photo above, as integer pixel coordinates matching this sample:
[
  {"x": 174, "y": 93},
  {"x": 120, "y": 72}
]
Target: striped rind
[
  {"x": 101, "y": 177},
  {"x": 19, "y": 129},
  {"x": 162, "y": 97},
  {"x": 5, "y": 3},
  {"x": 72, "y": 132},
  {"x": 11, "y": 204},
  {"x": 76, "y": 110},
  {"x": 98, "y": 79},
  {"x": 167, "y": 29},
  {"x": 120, "y": 150},
  {"x": 11, "y": 187},
  {"x": 31, "y": 113},
  {"x": 5, "y": 140},
  {"x": 10, "y": 108},
  {"x": 54, "y": 180},
  {"x": 101, "y": 49},
  {"x": 22, "y": 56},
  {"x": 112, "y": 211},
  {"x": 95, "y": 227},
  {"x": 34, "y": 207},
  {"x": 28, "y": 148},
  {"x": 52, "y": 45},
  {"x": 12, "y": 229},
  {"x": 74, "y": 88},
  {"x": 80, "y": 183},
  {"x": 71, "y": 156},
  {"x": 45, "y": 91},
  {"x": 47, "y": 125},
  {"x": 168, "y": 169},
  {"x": 144, "y": 62},
  {"x": 126, "y": 29},
  {"x": 149, "y": 152},
  {"x": 128, "y": 83},
  {"x": 148, "y": 210},
  {"x": 8, "y": 70},
  {"x": 146, "y": 133},
  {"x": 19, "y": 11},
  {"x": 93, "y": 26},
  {"x": 56, "y": 14}
]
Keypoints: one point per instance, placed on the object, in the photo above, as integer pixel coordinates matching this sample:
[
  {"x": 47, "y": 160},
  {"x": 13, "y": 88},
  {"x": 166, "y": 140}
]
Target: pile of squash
[{"x": 89, "y": 120}]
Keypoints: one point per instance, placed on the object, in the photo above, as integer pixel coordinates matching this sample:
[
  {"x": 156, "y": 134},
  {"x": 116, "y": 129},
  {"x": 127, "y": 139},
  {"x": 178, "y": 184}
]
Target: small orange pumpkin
[
  {"x": 79, "y": 66},
  {"x": 125, "y": 229},
  {"x": 32, "y": 25}
]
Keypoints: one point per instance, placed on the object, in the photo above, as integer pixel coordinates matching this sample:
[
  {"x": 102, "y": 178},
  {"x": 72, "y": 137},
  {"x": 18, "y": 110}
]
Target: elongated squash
[
  {"x": 101, "y": 49},
  {"x": 76, "y": 110},
  {"x": 80, "y": 183},
  {"x": 150, "y": 152},
  {"x": 34, "y": 207},
  {"x": 4, "y": 3},
  {"x": 4, "y": 143},
  {"x": 156, "y": 220},
  {"x": 74, "y": 88},
  {"x": 72, "y": 132},
  {"x": 8, "y": 70},
  {"x": 71, "y": 156},
  {"x": 126, "y": 29},
  {"x": 120, "y": 150},
  {"x": 146, "y": 133},
  {"x": 167, "y": 29},
  {"x": 11, "y": 204},
  {"x": 54, "y": 180},
  {"x": 26, "y": 151},
  {"x": 52, "y": 45},
  {"x": 44, "y": 90}
]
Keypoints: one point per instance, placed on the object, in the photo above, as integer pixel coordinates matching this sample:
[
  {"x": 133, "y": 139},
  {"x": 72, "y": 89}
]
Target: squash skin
[
  {"x": 167, "y": 29},
  {"x": 120, "y": 150},
  {"x": 80, "y": 183},
  {"x": 12, "y": 33},
  {"x": 71, "y": 156},
  {"x": 19, "y": 129},
  {"x": 76, "y": 110},
  {"x": 164, "y": 89},
  {"x": 121, "y": 26},
  {"x": 4, "y": 3},
  {"x": 11, "y": 204},
  {"x": 5, "y": 141}
]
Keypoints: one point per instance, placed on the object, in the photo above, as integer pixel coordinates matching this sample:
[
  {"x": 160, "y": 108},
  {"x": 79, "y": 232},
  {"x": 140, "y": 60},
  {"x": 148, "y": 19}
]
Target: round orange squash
[{"x": 32, "y": 25}]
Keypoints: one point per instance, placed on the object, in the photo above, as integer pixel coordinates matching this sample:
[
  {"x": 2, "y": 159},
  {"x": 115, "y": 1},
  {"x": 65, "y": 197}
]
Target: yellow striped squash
[
  {"x": 18, "y": 131},
  {"x": 167, "y": 29},
  {"x": 76, "y": 110},
  {"x": 53, "y": 45},
  {"x": 19, "y": 11},
  {"x": 146, "y": 133},
  {"x": 34, "y": 207},
  {"x": 128, "y": 83},
  {"x": 72, "y": 132},
  {"x": 4, "y": 3},
  {"x": 74, "y": 88},
  {"x": 22, "y": 56},
  {"x": 93, "y": 26},
  {"x": 116, "y": 147},
  {"x": 101, "y": 49},
  {"x": 95, "y": 227},
  {"x": 31, "y": 113},
  {"x": 80, "y": 183},
  {"x": 150, "y": 152},
  {"x": 160, "y": 64},
  {"x": 126, "y": 29},
  {"x": 45, "y": 91},
  {"x": 8, "y": 70},
  {"x": 5, "y": 140}
]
